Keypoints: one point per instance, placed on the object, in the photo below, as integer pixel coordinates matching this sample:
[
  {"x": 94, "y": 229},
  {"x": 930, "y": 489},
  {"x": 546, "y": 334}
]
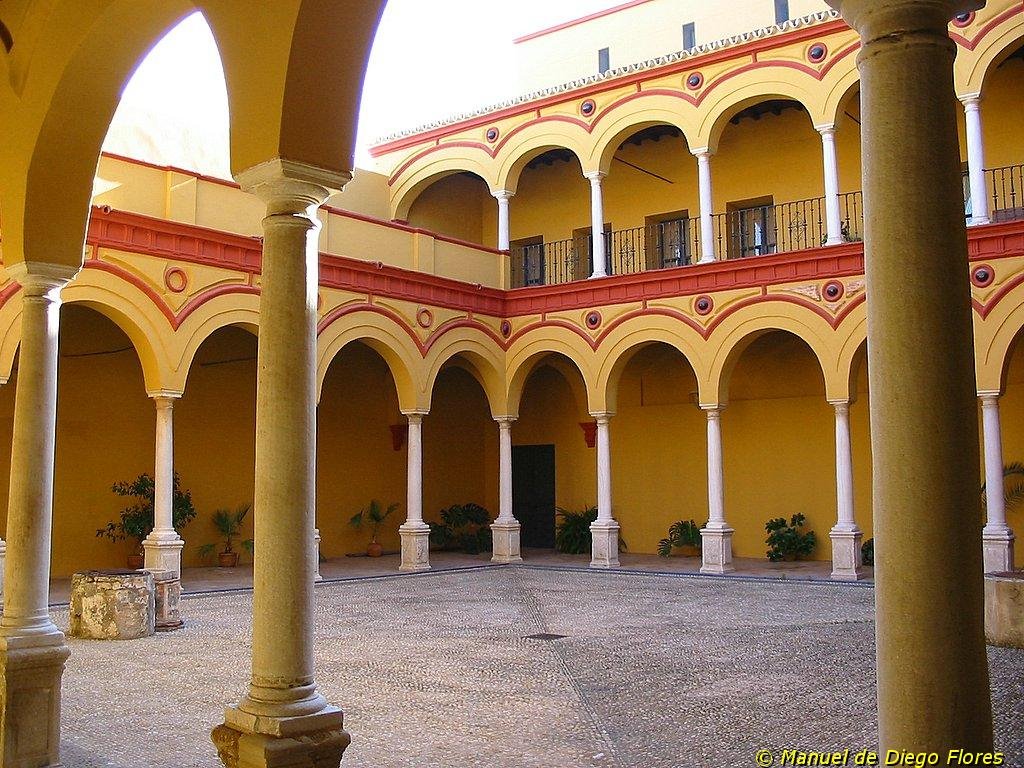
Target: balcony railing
[
  {"x": 1007, "y": 188},
  {"x": 753, "y": 231}
]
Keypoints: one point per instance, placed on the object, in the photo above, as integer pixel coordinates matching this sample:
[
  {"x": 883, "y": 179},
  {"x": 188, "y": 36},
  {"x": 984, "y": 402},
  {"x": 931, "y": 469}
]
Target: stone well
[
  {"x": 113, "y": 605},
  {"x": 1004, "y": 609}
]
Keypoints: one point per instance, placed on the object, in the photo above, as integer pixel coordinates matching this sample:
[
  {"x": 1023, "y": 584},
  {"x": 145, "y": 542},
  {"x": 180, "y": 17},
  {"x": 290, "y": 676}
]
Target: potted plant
[
  {"x": 683, "y": 535},
  {"x": 229, "y": 526},
  {"x": 572, "y": 532},
  {"x": 786, "y": 541},
  {"x": 463, "y": 528},
  {"x": 374, "y": 515},
  {"x": 136, "y": 521}
]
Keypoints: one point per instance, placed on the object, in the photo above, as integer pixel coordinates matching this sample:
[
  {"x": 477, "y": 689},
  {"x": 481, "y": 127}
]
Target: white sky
[{"x": 430, "y": 60}]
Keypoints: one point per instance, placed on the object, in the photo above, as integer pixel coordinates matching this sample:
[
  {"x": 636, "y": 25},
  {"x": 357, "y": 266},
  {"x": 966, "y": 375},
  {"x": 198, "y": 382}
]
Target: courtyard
[{"x": 439, "y": 671}]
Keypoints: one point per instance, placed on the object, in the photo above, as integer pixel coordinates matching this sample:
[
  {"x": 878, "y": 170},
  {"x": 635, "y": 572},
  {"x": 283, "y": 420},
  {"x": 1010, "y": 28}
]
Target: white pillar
[
  {"x": 316, "y": 555},
  {"x": 503, "y": 196},
  {"x": 605, "y": 530},
  {"x": 3, "y": 556},
  {"x": 716, "y": 536},
  {"x": 283, "y": 719},
  {"x": 847, "y": 560},
  {"x": 976, "y": 159},
  {"x": 163, "y": 546},
  {"x": 833, "y": 218},
  {"x": 597, "y": 223},
  {"x": 414, "y": 532},
  {"x": 32, "y": 648},
  {"x": 707, "y": 205},
  {"x": 506, "y": 529},
  {"x": 997, "y": 536}
]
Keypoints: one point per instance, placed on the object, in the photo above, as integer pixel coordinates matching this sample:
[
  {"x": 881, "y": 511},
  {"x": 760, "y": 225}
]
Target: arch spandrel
[
  {"x": 479, "y": 355},
  {"x": 633, "y": 117},
  {"x": 533, "y": 141},
  {"x": 972, "y": 67},
  {"x": 240, "y": 310},
  {"x": 416, "y": 179},
  {"x": 528, "y": 351}
]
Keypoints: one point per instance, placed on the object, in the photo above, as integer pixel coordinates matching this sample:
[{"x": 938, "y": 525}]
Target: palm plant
[
  {"x": 375, "y": 515},
  {"x": 229, "y": 526},
  {"x": 684, "y": 533}
]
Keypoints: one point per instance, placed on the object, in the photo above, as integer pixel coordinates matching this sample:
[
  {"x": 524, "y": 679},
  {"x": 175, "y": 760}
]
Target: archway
[
  {"x": 458, "y": 205},
  {"x": 1011, "y": 411}
]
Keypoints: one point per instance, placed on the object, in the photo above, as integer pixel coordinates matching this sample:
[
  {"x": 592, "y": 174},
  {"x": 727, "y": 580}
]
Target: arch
[
  {"x": 528, "y": 352},
  {"x": 385, "y": 337},
  {"x": 625, "y": 341},
  {"x": 477, "y": 353},
  {"x": 994, "y": 338},
  {"x": 746, "y": 91},
  {"x": 973, "y": 67},
  {"x": 852, "y": 355},
  {"x": 837, "y": 95},
  {"x": 738, "y": 331},
  {"x": 10, "y": 329},
  {"x": 242, "y": 310},
  {"x": 415, "y": 181},
  {"x": 532, "y": 142},
  {"x": 645, "y": 113}
]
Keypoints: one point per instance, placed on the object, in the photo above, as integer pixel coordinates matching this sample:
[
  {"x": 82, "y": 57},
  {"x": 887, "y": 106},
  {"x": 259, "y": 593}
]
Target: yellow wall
[
  {"x": 1011, "y": 408},
  {"x": 454, "y": 206}
]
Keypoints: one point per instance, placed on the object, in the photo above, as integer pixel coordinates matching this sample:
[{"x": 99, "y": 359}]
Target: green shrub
[
  {"x": 786, "y": 541},
  {"x": 136, "y": 521},
  {"x": 867, "y": 552},
  {"x": 463, "y": 528},
  {"x": 685, "y": 533},
  {"x": 572, "y": 531},
  {"x": 374, "y": 515},
  {"x": 229, "y": 526}
]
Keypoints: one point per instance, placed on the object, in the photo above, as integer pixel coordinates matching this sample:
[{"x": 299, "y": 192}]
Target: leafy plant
[
  {"x": 786, "y": 541},
  {"x": 136, "y": 521},
  {"x": 684, "y": 533},
  {"x": 572, "y": 531},
  {"x": 463, "y": 527},
  {"x": 1013, "y": 486},
  {"x": 867, "y": 552},
  {"x": 374, "y": 515},
  {"x": 229, "y": 526}
]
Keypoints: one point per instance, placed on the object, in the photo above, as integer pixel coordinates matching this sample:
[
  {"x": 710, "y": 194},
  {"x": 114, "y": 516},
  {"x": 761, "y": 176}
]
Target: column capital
[
  {"x": 38, "y": 278},
  {"x": 841, "y": 403},
  {"x": 169, "y": 395},
  {"x": 826, "y": 129},
  {"x": 415, "y": 415},
  {"x": 970, "y": 100},
  {"x": 503, "y": 194},
  {"x": 602, "y": 417},
  {"x": 713, "y": 410},
  {"x": 287, "y": 186},
  {"x": 505, "y": 421},
  {"x": 699, "y": 152},
  {"x": 988, "y": 398},
  {"x": 595, "y": 176},
  {"x": 875, "y": 19}
]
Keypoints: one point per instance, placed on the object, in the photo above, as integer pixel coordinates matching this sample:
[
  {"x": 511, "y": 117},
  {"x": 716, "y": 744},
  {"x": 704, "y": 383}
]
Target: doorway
[{"x": 533, "y": 494}]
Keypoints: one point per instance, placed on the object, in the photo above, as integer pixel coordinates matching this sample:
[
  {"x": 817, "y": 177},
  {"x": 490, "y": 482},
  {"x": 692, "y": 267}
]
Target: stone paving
[{"x": 434, "y": 671}]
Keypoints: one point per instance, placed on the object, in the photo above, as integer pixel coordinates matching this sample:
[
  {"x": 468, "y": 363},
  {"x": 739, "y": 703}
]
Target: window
[
  {"x": 751, "y": 228},
  {"x": 603, "y": 61},
  {"x": 689, "y": 36},
  {"x": 781, "y": 11},
  {"x": 667, "y": 242}
]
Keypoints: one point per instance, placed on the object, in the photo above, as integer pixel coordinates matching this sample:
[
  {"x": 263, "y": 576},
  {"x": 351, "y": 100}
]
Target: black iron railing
[{"x": 1007, "y": 187}]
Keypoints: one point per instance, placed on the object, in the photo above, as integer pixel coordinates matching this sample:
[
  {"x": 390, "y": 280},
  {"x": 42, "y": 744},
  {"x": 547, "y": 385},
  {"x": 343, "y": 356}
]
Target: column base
[
  {"x": 415, "y": 547},
  {"x": 716, "y": 550},
  {"x": 605, "y": 547},
  {"x": 847, "y": 559},
  {"x": 316, "y": 555},
  {"x": 834, "y": 241},
  {"x": 997, "y": 546},
  {"x": 707, "y": 260},
  {"x": 314, "y": 741},
  {"x": 505, "y": 537},
  {"x": 163, "y": 554},
  {"x": 30, "y": 679},
  {"x": 975, "y": 221},
  {"x": 598, "y": 275},
  {"x": 167, "y": 590}
]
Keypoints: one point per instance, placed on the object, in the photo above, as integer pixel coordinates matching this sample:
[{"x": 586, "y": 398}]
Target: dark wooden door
[{"x": 533, "y": 494}]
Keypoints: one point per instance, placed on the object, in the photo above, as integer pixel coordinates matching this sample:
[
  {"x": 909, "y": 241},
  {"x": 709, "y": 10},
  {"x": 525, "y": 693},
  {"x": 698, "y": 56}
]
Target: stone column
[
  {"x": 997, "y": 537},
  {"x": 504, "y": 197},
  {"x": 847, "y": 559},
  {"x": 707, "y": 205},
  {"x": 605, "y": 530},
  {"x": 284, "y": 720},
  {"x": 597, "y": 223},
  {"x": 933, "y": 690},
  {"x": 414, "y": 532},
  {"x": 976, "y": 159},
  {"x": 506, "y": 528},
  {"x": 833, "y": 217},
  {"x": 32, "y": 649},
  {"x": 3, "y": 557},
  {"x": 716, "y": 536},
  {"x": 316, "y": 555},
  {"x": 163, "y": 546}
]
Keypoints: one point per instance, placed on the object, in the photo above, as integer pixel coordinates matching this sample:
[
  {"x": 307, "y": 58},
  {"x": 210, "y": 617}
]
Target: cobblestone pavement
[{"x": 434, "y": 671}]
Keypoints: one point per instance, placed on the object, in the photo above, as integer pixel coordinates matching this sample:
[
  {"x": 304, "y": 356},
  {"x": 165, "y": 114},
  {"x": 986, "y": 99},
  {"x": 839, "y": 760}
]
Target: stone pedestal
[
  {"x": 415, "y": 547},
  {"x": 847, "y": 559},
  {"x": 113, "y": 605},
  {"x": 305, "y": 749},
  {"x": 167, "y": 591},
  {"x": 716, "y": 550},
  {"x": 1004, "y": 609},
  {"x": 605, "y": 547},
  {"x": 316, "y": 555},
  {"x": 997, "y": 548},
  {"x": 505, "y": 538},
  {"x": 163, "y": 554},
  {"x": 30, "y": 677}
]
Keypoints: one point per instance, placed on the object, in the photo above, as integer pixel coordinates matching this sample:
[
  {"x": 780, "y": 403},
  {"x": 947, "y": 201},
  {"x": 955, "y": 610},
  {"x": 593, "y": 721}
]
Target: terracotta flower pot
[
  {"x": 135, "y": 562},
  {"x": 374, "y": 549},
  {"x": 689, "y": 550},
  {"x": 227, "y": 559}
]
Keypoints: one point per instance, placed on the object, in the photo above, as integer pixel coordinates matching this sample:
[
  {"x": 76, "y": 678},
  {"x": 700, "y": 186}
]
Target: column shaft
[
  {"x": 976, "y": 160},
  {"x": 833, "y": 217},
  {"x": 504, "y": 198},
  {"x": 707, "y": 206},
  {"x": 414, "y": 532},
  {"x": 847, "y": 559},
  {"x": 716, "y": 536},
  {"x": 933, "y": 691},
  {"x": 600, "y": 255},
  {"x": 997, "y": 537},
  {"x": 604, "y": 530},
  {"x": 506, "y": 529},
  {"x": 163, "y": 546}
]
